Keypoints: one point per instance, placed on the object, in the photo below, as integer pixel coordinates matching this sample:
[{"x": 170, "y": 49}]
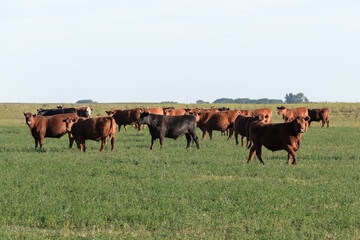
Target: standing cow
[
  {"x": 242, "y": 126},
  {"x": 277, "y": 136},
  {"x": 126, "y": 117},
  {"x": 170, "y": 126},
  {"x": 91, "y": 129},
  {"x": 209, "y": 121},
  {"x": 47, "y": 126},
  {"x": 319, "y": 114}
]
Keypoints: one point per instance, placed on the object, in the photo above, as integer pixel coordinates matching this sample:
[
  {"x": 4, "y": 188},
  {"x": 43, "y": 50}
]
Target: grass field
[{"x": 211, "y": 193}]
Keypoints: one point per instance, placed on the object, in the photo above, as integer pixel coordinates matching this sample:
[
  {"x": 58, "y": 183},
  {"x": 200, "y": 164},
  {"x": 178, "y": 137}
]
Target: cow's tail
[{"x": 112, "y": 129}]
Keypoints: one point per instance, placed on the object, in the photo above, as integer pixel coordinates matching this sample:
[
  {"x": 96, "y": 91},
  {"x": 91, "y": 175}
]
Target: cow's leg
[
  {"x": 161, "y": 141},
  {"x": 188, "y": 138},
  {"x": 251, "y": 154},
  {"x": 210, "y": 134},
  {"x": 83, "y": 144},
  {"x": 204, "y": 135},
  {"x": 152, "y": 143},
  {"x": 125, "y": 127},
  {"x": 195, "y": 139},
  {"x": 327, "y": 122},
  {"x": 291, "y": 153},
  {"x": 231, "y": 133},
  {"x": 112, "y": 140},
  {"x": 322, "y": 123},
  {"x": 103, "y": 143},
  {"x": 36, "y": 143},
  {"x": 71, "y": 141},
  {"x": 258, "y": 154},
  {"x": 236, "y": 138},
  {"x": 41, "y": 140}
]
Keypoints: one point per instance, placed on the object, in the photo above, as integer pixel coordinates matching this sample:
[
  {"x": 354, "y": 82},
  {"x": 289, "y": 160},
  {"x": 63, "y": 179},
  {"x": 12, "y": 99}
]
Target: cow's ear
[
  {"x": 266, "y": 116},
  {"x": 307, "y": 118},
  {"x": 24, "y": 113}
]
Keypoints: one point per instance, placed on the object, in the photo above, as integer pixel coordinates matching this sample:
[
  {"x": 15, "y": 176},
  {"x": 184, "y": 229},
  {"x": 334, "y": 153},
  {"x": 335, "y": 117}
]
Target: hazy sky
[{"x": 184, "y": 50}]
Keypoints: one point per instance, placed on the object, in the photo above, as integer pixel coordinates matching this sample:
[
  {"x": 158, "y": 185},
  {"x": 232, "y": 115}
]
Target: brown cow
[
  {"x": 277, "y": 136},
  {"x": 93, "y": 129},
  {"x": 319, "y": 114},
  {"x": 47, "y": 126},
  {"x": 176, "y": 111},
  {"x": 156, "y": 110},
  {"x": 291, "y": 114},
  {"x": 126, "y": 117},
  {"x": 267, "y": 112},
  {"x": 208, "y": 121},
  {"x": 242, "y": 125}
]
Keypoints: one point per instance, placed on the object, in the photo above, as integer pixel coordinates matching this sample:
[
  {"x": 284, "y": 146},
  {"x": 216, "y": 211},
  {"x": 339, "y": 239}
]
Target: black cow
[
  {"x": 170, "y": 126},
  {"x": 51, "y": 112}
]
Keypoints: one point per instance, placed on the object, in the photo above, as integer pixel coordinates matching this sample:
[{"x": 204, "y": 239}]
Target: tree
[
  {"x": 298, "y": 98},
  {"x": 201, "y": 102},
  {"x": 86, "y": 101}
]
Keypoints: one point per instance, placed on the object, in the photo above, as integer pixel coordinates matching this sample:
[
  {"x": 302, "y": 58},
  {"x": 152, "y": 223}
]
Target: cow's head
[
  {"x": 29, "y": 119},
  {"x": 144, "y": 118},
  {"x": 281, "y": 110},
  {"x": 60, "y": 107},
  {"x": 261, "y": 117},
  {"x": 300, "y": 123},
  {"x": 110, "y": 113},
  {"x": 69, "y": 122},
  {"x": 168, "y": 111},
  {"x": 197, "y": 112}
]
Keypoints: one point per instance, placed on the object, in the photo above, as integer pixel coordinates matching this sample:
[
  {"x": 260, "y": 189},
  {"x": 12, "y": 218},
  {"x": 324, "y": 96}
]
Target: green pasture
[{"x": 174, "y": 193}]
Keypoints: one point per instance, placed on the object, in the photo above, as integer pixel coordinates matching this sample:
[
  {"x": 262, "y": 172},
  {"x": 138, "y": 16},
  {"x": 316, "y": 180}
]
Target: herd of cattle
[{"x": 254, "y": 125}]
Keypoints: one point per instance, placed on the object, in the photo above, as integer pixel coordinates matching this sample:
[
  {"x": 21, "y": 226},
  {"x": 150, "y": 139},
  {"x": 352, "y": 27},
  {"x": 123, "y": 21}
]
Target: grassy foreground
[{"x": 211, "y": 193}]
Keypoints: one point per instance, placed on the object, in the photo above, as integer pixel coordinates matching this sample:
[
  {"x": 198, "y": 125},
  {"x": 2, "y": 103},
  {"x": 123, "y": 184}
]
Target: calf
[
  {"x": 278, "y": 136},
  {"x": 126, "y": 117},
  {"x": 319, "y": 114},
  {"x": 170, "y": 127},
  {"x": 93, "y": 129},
  {"x": 242, "y": 125},
  {"x": 47, "y": 126}
]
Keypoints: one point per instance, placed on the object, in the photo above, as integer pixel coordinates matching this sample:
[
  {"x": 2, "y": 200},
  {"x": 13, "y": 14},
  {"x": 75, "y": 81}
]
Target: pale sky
[{"x": 61, "y": 51}]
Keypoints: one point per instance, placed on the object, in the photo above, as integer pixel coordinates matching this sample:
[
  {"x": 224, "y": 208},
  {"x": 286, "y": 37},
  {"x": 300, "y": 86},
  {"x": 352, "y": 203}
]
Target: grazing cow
[
  {"x": 91, "y": 129},
  {"x": 81, "y": 111},
  {"x": 278, "y": 136},
  {"x": 51, "y": 112},
  {"x": 208, "y": 121},
  {"x": 47, "y": 126},
  {"x": 156, "y": 110},
  {"x": 126, "y": 117},
  {"x": 242, "y": 125},
  {"x": 176, "y": 111},
  {"x": 267, "y": 112},
  {"x": 170, "y": 127},
  {"x": 319, "y": 114}
]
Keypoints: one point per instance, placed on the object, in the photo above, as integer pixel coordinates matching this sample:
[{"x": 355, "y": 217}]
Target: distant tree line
[
  {"x": 289, "y": 98},
  {"x": 249, "y": 101}
]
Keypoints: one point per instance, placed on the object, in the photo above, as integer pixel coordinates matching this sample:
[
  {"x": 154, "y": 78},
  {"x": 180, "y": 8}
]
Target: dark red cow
[
  {"x": 126, "y": 117},
  {"x": 209, "y": 121},
  {"x": 91, "y": 129},
  {"x": 242, "y": 125},
  {"x": 277, "y": 136},
  {"x": 48, "y": 126},
  {"x": 319, "y": 114}
]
